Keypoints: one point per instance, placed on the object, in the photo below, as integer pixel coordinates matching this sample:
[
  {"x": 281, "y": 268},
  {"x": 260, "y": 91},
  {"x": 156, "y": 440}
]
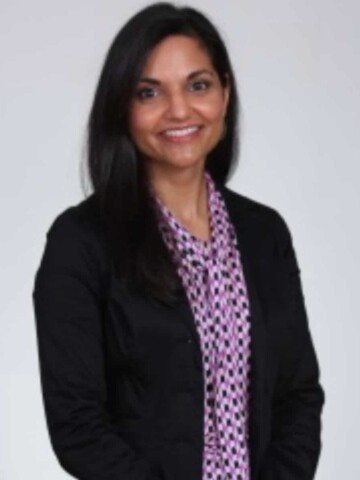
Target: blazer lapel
[
  {"x": 238, "y": 213},
  {"x": 239, "y": 216}
]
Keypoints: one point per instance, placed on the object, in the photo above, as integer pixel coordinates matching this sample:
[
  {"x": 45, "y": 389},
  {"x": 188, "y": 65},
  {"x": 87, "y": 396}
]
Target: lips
[{"x": 181, "y": 134}]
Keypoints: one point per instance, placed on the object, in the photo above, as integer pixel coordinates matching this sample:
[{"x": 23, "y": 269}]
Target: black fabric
[{"x": 122, "y": 377}]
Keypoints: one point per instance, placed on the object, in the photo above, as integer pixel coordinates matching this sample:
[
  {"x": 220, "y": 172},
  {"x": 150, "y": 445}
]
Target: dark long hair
[{"x": 115, "y": 167}]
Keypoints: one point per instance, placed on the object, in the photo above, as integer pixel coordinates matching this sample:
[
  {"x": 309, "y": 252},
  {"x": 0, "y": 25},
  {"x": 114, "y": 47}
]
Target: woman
[{"x": 172, "y": 332}]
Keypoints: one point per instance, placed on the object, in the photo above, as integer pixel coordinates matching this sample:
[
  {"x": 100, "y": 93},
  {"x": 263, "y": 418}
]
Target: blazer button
[{"x": 189, "y": 340}]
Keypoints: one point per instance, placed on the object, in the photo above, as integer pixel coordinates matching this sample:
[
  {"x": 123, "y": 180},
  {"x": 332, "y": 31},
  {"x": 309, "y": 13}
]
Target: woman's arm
[
  {"x": 68, "y": 321},
  {"x": 296, "y": 423}
]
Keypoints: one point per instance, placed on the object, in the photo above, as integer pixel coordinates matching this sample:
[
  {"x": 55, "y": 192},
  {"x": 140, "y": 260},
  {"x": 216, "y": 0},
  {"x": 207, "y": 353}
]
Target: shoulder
[
  {"x": 79, "y": 220},
  {"x": 75, "y": 244},
  {"x": 79, "y": 225},
  {"x": 258, "y": 216},
  {"x": 265, "y": 229}
]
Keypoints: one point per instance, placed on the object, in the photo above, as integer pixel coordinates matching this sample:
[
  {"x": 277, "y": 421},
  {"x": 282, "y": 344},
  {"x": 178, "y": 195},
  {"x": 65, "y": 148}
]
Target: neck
[{"x": 184, "y": 194}]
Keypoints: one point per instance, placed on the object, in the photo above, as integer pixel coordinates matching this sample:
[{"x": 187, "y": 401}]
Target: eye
[
  {"x": 145, "y": 93},
  {"x": 200, "y": 85}
]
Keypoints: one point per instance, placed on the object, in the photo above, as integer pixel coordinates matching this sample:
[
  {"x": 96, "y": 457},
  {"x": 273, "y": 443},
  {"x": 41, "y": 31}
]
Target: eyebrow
[{"x": 153, "y": 81}]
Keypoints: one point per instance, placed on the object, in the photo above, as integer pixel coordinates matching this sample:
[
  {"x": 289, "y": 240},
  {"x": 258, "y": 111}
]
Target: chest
[{"x": 153, "y": 340}]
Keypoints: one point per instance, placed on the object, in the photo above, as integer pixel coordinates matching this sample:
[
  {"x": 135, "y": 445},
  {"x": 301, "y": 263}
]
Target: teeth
[{"x": 181, "y": 132}]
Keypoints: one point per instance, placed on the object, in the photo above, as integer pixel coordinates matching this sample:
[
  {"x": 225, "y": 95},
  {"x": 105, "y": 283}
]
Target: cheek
[
  {"x": 214, "y": 110},
  {"x": 141, "y": 122}
]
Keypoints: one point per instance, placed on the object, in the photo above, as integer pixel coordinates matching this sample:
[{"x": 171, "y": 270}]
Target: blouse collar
[{"x": 183, "y": 243}]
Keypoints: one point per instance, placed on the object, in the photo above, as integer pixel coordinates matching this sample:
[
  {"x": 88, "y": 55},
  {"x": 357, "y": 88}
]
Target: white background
[{"x": 297, "y": 65}]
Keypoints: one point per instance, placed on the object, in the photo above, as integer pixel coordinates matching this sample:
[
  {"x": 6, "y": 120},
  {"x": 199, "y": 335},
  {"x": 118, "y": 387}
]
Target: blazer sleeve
[
  {"x": 294, "y": 450},
  {"x": 69, "y": 334}
]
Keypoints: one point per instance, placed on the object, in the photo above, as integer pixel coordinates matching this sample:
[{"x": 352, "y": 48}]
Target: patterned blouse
[{"x": 212, "y": 276}]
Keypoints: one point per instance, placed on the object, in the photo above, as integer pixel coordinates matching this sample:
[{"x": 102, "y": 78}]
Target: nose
[{"x": 178, "y": 107}]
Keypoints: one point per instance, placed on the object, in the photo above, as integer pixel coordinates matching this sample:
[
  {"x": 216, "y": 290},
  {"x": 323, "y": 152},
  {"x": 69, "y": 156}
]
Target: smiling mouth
[{"x": 181, "y": 133}]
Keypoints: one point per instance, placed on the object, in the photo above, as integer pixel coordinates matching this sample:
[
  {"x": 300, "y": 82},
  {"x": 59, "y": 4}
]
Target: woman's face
[{"x": 177, "y": 113}]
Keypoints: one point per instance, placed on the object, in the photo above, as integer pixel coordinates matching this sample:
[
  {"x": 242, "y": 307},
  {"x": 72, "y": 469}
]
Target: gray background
[{"x": 297, "y": 65}]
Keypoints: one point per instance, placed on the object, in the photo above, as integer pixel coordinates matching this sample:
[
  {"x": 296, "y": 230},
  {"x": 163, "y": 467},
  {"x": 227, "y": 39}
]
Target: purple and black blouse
[{"x": 212, "y": 275}]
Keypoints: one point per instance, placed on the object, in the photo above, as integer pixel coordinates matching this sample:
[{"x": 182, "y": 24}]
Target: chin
[
  {"x": 185, "y": 163},
  {"x": 175, "y": 161}
]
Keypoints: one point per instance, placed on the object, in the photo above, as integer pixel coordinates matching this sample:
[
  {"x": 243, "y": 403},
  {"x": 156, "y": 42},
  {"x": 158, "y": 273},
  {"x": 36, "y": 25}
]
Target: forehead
[{"x": 177, "y": 54}]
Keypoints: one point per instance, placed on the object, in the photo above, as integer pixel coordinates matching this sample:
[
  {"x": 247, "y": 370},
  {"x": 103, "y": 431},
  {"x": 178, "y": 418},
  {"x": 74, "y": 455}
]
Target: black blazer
[{"x": 122, "y": 375}]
